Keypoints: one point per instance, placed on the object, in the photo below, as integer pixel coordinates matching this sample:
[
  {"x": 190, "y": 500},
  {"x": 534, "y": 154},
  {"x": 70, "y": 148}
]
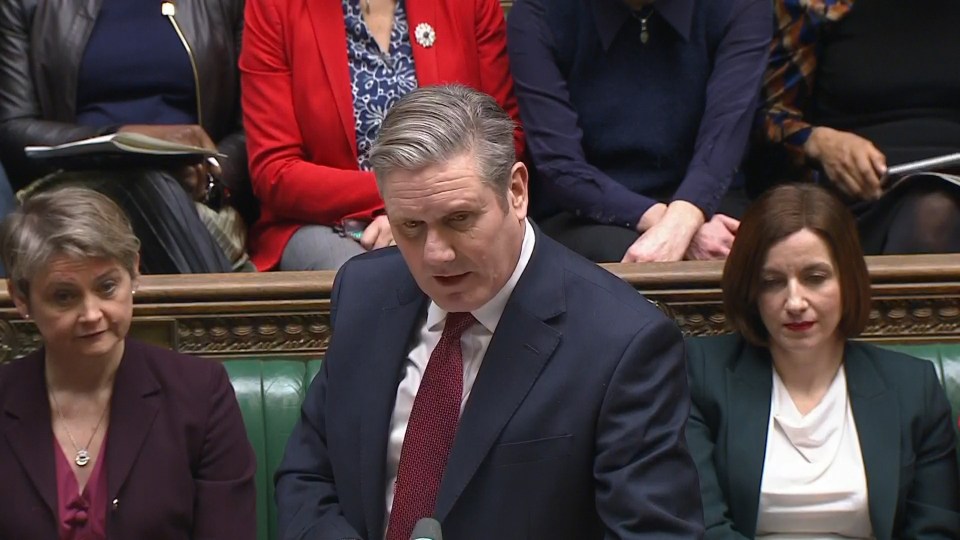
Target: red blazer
[
  {"x": 179, "y": 464},
  {"x": 298, "y": 107}
]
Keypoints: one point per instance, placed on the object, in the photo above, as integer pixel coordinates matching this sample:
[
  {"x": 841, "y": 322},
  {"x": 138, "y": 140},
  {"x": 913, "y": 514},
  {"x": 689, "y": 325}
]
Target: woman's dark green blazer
[{"x": 903, "y": 420}]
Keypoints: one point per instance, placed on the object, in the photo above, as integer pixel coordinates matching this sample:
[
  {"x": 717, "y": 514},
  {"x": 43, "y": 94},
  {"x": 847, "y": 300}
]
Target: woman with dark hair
[{"x": 797, "y": 430}]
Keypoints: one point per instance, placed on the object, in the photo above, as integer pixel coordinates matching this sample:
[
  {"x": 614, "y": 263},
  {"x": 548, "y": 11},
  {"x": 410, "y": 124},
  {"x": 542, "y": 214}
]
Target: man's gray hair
[
  {"x": 434, "y": 124},
  {"x": 72, "y": 221}
]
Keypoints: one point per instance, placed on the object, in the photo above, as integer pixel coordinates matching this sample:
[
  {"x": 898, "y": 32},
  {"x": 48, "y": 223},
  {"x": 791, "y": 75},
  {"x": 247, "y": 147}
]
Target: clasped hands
[{"x": 679, "y": 231}]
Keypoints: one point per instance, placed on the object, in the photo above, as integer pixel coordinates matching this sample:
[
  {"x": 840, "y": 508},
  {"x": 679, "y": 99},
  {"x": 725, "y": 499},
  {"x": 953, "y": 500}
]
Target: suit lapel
[
  {"x": 133, "y": 408},
  {"x": 425, "y": 58},
  {"x": 749, "y": 389},
  {"x": 331, "y": 34},
  {"x": 875, "y": 413},
  {"x": 521, "y": 346},
  {"x": 380, "y": 376},
  {"x": 30, "y": 434}
]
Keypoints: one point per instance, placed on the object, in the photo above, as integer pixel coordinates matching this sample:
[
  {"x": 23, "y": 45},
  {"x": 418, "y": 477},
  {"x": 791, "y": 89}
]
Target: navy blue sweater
[
  {"x": 614, "y": 124},
  {"x": 135, "y": 69}
]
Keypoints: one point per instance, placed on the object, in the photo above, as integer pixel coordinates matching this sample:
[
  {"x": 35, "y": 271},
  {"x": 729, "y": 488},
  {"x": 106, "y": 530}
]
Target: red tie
[{"x": 430, "y": 431}]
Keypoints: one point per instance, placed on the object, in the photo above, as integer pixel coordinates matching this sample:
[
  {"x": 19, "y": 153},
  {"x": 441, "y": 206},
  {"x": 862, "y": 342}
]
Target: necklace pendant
[
  {"x": 83, "y": 457},
  {"x": 644, "y": 34}
]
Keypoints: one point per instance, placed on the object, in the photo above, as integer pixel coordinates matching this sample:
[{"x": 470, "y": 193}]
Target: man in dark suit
[{"x": 481, "y": 373}]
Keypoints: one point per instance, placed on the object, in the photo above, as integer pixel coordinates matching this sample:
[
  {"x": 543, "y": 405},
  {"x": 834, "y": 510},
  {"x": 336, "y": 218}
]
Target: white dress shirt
[
  {"x": 473, "y": 345},
  {"x": 814, "y": 484}
]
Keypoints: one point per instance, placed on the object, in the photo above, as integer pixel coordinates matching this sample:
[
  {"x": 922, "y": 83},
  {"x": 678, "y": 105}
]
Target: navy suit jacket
[
  {"x": 574, "y": 428},
  {"x": 179, "y": 465},
  {"x": 903, "y": 422}
]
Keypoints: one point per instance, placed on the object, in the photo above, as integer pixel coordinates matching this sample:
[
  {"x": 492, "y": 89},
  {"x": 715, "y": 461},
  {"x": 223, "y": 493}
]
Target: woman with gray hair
[{"x": 109, "y": 437}]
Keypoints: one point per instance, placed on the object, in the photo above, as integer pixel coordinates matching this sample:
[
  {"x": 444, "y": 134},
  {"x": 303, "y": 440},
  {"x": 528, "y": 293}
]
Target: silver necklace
[
  {"x": 83, "y": 454},
  {"x": 644, "y": 32}
]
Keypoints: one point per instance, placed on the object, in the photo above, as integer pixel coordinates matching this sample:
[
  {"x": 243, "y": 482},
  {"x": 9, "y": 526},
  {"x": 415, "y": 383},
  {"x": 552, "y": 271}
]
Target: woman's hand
[
  {"x": 851, "y": 162},
  {"x": 377, "y": 234},
  {"x": 193, "y": 178}
]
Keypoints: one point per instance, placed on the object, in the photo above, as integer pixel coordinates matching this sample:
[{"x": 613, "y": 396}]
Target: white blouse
[{"x": 814, "y": 484}]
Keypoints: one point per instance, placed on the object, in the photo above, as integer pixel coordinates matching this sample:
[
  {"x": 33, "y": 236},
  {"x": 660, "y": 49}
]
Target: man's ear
[
  {"x": 518, "y": 190},
  {"x": 21, "y": 303}
]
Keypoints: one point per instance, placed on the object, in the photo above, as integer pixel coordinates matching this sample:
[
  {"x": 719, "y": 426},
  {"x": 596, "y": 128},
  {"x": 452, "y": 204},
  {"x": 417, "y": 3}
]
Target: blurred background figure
[
  {"x": 108, "y": 437},
  {"x": 318, "y": 78},
  {"x": 854, "y": 87},
  {"x": 797, "y": 430},
  {"x": 74, "y": 70},
  {"x": 637, "y": 114}
]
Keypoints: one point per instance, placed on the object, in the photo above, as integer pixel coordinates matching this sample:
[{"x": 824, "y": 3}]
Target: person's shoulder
[
  {"x": 726, "y": 347},
  {"x": 13, "y": 371},
  {"x": 717, "y": 16},
  {"x": 558, "y": 14},
  {"x": 899, "y": 368},
  {"x": 17, "y": 365},
  {"x": 172, "y": 369},
  {"x": 914, "y": 381},
  {"x": 594, "y": 289},
  {"x": 372, "y": 272},
  {"x": 378, "y": 262},
  {"x": 708, "y": 356}
]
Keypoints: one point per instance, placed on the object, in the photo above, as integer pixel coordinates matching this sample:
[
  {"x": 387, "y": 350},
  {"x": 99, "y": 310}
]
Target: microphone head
[{"x": 427, "y": 529}]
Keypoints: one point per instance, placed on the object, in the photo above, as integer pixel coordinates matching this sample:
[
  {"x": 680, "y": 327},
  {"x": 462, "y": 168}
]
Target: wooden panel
[{"x": 916, "y": 298}]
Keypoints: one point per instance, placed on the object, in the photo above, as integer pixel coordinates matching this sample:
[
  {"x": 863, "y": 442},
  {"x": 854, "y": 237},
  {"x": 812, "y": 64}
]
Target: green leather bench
[{"x": 270, "y": 391}]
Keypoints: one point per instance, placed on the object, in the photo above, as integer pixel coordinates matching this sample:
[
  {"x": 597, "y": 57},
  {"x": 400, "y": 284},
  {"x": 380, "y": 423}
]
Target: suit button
[{"x": 116, "y": 504}]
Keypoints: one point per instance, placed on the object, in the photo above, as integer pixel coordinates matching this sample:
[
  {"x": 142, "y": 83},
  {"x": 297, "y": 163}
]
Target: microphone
[{"x": 427, "y": 529}]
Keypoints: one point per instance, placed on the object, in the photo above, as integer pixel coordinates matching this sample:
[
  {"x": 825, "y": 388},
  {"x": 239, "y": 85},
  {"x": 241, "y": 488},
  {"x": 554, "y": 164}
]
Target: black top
[
  {"x": 135, "y": 69},
  {"x": 888, "y": 71}
]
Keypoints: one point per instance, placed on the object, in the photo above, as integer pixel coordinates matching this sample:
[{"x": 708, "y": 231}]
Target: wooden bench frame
[{"x": 916, "y": 299}]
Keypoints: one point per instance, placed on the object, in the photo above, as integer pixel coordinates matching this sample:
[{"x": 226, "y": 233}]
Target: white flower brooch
[{"x": 425, "y": 35}]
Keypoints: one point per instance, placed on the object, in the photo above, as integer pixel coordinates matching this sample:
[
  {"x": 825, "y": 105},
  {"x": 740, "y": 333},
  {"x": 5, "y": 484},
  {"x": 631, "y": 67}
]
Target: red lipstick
[{"x": 799, "y": 326}]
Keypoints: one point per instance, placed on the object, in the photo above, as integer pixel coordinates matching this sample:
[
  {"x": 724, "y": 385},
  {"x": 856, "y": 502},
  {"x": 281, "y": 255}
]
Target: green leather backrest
[{"x": 270, "y": 391}]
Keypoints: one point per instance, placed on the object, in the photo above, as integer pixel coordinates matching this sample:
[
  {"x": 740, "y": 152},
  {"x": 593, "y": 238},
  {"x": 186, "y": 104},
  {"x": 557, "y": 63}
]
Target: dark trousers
[
  {"x": 608, "y": 243},
  {"x": 164, "y": 217}
]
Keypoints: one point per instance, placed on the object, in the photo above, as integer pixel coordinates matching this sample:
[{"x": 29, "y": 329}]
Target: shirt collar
[
  {"x": 611, "y": 15},
  {"x": 488, "y": 315}
]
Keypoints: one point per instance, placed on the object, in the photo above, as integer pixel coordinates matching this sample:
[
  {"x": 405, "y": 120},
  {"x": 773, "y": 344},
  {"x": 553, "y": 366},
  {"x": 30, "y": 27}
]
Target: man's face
[{"x": 460, "y": 239}]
